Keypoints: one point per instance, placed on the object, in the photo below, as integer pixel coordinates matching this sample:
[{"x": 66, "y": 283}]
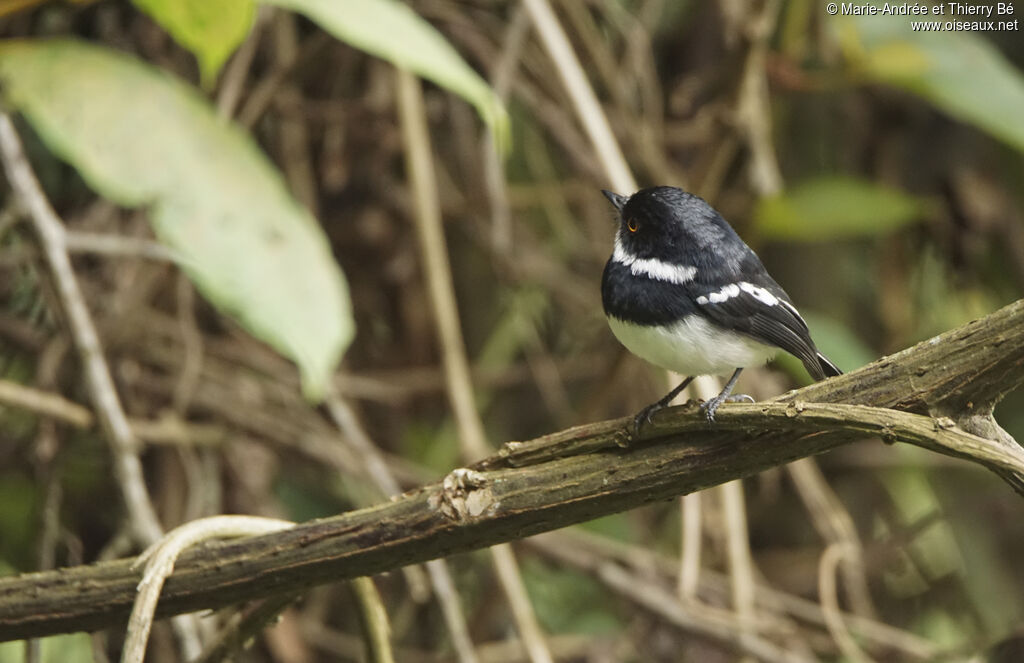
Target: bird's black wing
[{"x": 755, "y": 305}]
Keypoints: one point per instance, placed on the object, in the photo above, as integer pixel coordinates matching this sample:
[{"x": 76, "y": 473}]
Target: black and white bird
[{"x": 684, "y": 292}]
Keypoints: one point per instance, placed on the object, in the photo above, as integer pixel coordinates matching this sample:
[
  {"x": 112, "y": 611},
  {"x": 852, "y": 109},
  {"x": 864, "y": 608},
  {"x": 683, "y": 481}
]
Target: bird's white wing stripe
[
  {"x": 734, "y": 289},
  {"x": 759, "y": 293},
  {"x": 652, "y": 267}
]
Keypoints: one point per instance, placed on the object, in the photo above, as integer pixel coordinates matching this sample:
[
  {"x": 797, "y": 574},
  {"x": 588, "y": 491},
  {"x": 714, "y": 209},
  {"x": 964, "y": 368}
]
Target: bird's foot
[
  {"x": 711, "y": 406},
  {"x": 643, "y": 417}
]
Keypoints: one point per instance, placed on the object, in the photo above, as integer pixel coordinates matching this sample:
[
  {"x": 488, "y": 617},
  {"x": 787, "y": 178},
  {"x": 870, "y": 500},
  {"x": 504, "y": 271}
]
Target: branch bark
[{"x": 938, "y": 394}]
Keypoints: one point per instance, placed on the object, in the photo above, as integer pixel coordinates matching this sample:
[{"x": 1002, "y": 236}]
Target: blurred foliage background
[{"x": 877, "y": 170}]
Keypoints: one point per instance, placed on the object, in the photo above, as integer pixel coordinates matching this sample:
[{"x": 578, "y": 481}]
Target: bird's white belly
[{"x": 691, "y": 346}]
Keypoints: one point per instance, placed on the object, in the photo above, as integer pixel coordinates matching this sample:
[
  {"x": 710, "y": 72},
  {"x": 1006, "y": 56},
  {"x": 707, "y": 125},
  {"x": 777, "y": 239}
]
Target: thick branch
[
  {"x": 567, "y": 478},
  {"x": 963, "y": 372}
]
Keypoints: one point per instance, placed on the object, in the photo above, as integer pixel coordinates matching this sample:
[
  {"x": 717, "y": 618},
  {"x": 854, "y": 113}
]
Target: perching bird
[{"x": 684, "y": 292}]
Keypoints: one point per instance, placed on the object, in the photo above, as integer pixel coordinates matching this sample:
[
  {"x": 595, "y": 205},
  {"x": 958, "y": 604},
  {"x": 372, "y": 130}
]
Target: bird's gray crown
[{"x": 669, "y": 224}]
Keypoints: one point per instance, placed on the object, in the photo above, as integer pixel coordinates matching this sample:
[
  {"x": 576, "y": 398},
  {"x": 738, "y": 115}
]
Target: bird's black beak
[{"x": 616, "y": 199}]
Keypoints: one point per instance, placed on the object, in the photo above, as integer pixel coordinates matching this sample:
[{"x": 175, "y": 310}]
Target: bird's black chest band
[{"x": 642, "y": 300}]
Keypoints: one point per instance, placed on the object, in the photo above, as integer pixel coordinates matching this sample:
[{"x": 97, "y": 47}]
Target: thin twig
[
  {"x": 653, "y": 597},
  {"x": 740, "y": 563},
  {"x": 118, "y": 245},
  {"x": 494, "y": 168},
  {"x": 159, "y": 562},
  {"x": 374, "y": 619},
  {"x": 142, "y": 516},
  {"x": 427, "y": 213},
  {"x": 44, "y": 403},
  {"x": 753, "y": 111},
  {"x": 293, "y": 132},
  {"x": 689, "y": 557},
  {"x": 511, "y": 580},
  {"x": 446, "y": 317},
  {"x": 347, "y": 421},
  {"x": 47, "y": 545},
  {"x": 127, "y": 467},
  {"x": 264, "y": 92},
  {"x": 589, "y": 551},
  {"x": 233, "y": 79},
  {"x": 835, "y": 526},
  {"x": 9, "y": 217},
  {"x": 582, "y": 96},
  {"x": 451, "y": 608},
  {"x": 168, "y": 430},
  {"x": 827, "y": 567},
  {"x": 192, "y": 346},
  {"x": 437, "y": 571},
  {"x": 243, "y": 627}
]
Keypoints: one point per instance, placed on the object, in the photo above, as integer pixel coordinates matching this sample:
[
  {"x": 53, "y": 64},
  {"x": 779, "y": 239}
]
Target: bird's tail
[
  {"x": 829, "y": 369},
  {"x": 820, "y": 367}
]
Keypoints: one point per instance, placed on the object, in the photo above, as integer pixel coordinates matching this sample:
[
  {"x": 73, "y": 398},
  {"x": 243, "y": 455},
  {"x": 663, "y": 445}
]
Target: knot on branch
[{"x": 464, "y": 494}]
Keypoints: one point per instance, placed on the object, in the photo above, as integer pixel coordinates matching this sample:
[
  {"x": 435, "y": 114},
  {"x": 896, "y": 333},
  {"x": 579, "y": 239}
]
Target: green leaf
[
  {"x": 139, "y": 136},
  {"x": 835, "y": 207},
  {"x": 211, "y": 29},
  {"x": 392, "y": 31},
  {"x": 960, "y": 72}
]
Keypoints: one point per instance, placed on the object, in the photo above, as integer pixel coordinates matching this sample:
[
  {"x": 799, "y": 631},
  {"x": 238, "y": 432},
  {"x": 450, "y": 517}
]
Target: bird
[{"x": 684, "y": 292}]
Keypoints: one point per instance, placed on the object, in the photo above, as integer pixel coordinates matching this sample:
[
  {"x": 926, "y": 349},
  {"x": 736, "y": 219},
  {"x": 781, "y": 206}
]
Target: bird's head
[{"x": 663, "y": 222}]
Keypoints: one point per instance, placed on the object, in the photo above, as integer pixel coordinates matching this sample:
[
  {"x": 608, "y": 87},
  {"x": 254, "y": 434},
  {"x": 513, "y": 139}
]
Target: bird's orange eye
[{"x": 632, "y": 225}]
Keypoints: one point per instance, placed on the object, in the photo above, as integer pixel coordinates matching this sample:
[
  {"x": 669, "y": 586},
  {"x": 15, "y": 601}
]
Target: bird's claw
[
  {"x": 711, "y": 406},
  {"x": 644, "y": 417}
]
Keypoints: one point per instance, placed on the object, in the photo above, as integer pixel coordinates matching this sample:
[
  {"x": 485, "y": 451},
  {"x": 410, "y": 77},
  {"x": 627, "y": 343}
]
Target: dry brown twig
[
  {"x": 778, "y": 609},
  {"x": 142, "y": 516},
  {"x": 101, "y": 387},
  {"x": 442, "y": 297},
  {"x": 158, "y": 563},
  {"x": 437, "y": 570},
  {"x": 827, "y": 569}
]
